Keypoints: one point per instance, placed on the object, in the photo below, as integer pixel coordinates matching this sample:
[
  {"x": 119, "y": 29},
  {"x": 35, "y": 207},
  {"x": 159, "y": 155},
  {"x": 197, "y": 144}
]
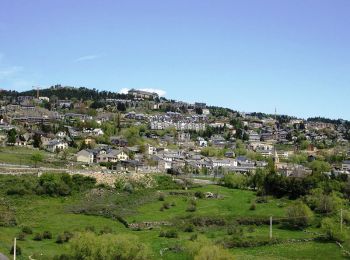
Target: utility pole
[
  {"x": 271, "y": 227},
  {"x": 14, "y": 249},
  {"x": 341, "y": 220}
]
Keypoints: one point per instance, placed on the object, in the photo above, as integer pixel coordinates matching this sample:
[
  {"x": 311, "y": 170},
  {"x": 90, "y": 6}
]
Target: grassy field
[
  {"x": 54, "y": 214},
  {"x": 22, "y": 156}
]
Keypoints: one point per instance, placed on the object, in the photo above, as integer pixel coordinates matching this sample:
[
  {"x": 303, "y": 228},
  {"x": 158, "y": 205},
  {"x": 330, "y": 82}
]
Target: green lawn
[{"x": 22, "y": 156}]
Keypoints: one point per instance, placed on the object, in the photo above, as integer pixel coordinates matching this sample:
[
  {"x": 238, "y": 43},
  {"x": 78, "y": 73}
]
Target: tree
[
  {"x": 11, "y": 136},
  {"x": 331, "y": 230},
  {"x": 37, "y": 140},
  {"x": 36, "y": 158},
  {"x": 299, "y": 215}
]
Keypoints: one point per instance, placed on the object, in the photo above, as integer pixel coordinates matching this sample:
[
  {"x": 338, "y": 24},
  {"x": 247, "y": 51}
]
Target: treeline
[
  {"x": 66, "y": 92},
  {"x": 329, "y": 121}
]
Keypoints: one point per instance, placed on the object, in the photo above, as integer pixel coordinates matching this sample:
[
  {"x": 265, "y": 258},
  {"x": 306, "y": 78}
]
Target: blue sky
[{"x": 249, "y": 55}]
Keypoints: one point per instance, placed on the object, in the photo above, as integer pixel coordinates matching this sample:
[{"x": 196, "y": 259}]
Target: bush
[
  {"x": 262, "y": 199},
  {"x": 106, "y": 230},
  {"x": 47, "y": 235},
  {"x": 108, "y": 246},
  {"x": 27, "y": 230},
  {"x": 38, "y": 237},
  {"x": 165, "y": 182},
  {"x": 299, "y": 215},
  {"x": 90, "y": 228},
  {"x": 18, "y": 250},
  {"x": 168, "y": 234},
  {"x": 193, "y": 237},
  {"x": 191, "y": 208},
  {"x": 60, "y": 239},
  {"x": 252, "y": 206},
  {"x": 161, "y": 197},
  {"x": 166, "y": 205},
  {"x": 128, "y": 187},
  {"x": 234, "y": 181},
  {"x": 63, "y": 238},
  {"x": 199, "y": 195},
  {"x": 189, "y": 229},
  {"x": 193, "y": 202},
  {"x": 21, "y": 236},
  {"x": 331, "y": 230},
  {"x": 235, "y": 230}
]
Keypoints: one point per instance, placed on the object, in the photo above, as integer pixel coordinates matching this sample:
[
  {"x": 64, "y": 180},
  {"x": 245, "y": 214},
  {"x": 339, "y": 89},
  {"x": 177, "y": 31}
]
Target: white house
[
  {"x": 201, "y": 142},
  {"x": 85, "y": 156},
  {"x": 56, "y": 145}
]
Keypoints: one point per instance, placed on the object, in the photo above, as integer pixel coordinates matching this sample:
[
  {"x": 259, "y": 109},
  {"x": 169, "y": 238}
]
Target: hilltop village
[{"x": 141, "y": 132}]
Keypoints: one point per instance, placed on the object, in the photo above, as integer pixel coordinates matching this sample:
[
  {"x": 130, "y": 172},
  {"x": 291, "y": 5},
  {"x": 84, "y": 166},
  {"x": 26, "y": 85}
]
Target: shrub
[
  {"x": 262, "y": 199},
  {"x": 47, "y": 235},
  {"x": 252, "y": 206},
  {"x": 234, "y": 181},
  {"x": 191, "y": 208},
  {"x": 38, "y": 237},
  {"x": 27, "y": 230},
  {"x": 168, "y": 234},
  {"x": 166, "y": 205},
  {"x": 90, "y": 228},
  {"x": 17, "y": 191},
  {"x": 193, "y": 202},
  {"x": 18, "y": 250},
  {"x": 189, "y": 228},
  {"x": 128, "y": 187},
  {"x": 299, "y": 215},
  {"x": 65, "y": 237},
  {"x": 161, "y": 197},
  {"x": 60, "y": 239},
  {"x": 199, "y": 195},
  {"x": 331, "y": 230},
  {"x": 193, "y": 237},
  {"x": 122, "y": 246},
  {"x": 21, "y": 236},
  {"x": 235, "y": 230},
  {"x": 165, "y": 182},
  {"x": 106, "y": 230},
  {"x": 173, "y": 204}
]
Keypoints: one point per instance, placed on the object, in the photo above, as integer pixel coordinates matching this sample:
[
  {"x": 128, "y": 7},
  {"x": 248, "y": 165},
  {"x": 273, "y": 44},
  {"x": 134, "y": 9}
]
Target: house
[
  {"x": 56, "y": 145},
  {"x": 254, "y": 136},
  {"x": 230, "y": 154},
  {"x": 120, "y": 154},
  {"x": 20, "y": 141},
  {"x": 85, "y": 156},
  {"x": 151, "y": 150},
  {"x": 112, "y": 155},
  {"x": 218, "y": 140},
  {"x": 140, "y": 94},
  {"x": 64, "y": 103},
  {"x": 346, "y": 165},
  {"x": 89, "y": 141},
  {"x": 118, "y": 141},
  {"x": 201, "y": 142},
  {"x": 61, "y": 134}
]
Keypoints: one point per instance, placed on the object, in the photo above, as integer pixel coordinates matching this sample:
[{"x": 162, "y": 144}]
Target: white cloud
[
  {"x": 87, "y": 57},
  {"x": 160, "y": 92}
]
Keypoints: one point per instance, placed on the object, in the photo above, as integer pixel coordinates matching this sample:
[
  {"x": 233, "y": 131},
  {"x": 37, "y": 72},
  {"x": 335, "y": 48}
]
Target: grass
[
  {"x": 22, "y": 156},
  {"x": 53, "y": 214}
]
